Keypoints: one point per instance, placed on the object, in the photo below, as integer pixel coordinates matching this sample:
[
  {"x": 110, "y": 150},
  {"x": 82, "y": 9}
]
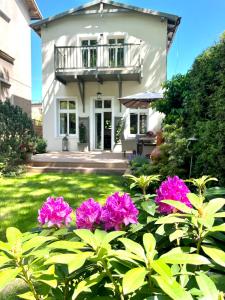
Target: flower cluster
[
  {"x": 173, "y": 188},
  {"x": 55, "y": 212},
  {"x": 88, "y": 214},
  {"x": 119, "y": 210}
]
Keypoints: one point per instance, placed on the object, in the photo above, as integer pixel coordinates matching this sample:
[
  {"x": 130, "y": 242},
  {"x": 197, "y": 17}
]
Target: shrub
[
  {"x": 16, "y": 136},
  {"x": 177, "y": 256},
  {"x": 40, "y": 145}
]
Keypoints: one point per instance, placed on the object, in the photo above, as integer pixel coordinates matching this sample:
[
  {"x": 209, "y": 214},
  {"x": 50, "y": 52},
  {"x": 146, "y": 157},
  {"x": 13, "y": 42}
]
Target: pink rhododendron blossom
[
  {"x": 88, "y": 215},
  {"x": 55, "y": 212},
  {"x": 173, "y": 188},
  {"x": 118, "y": 210}
]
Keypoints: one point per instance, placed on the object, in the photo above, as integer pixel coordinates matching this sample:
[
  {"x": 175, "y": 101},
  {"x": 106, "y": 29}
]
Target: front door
[{"x": 103, "y": 124}]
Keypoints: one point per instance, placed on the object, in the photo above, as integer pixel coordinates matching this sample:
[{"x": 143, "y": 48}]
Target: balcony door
[
  {"x": 89, "y": 53},
  {"x": 116, "y": 53},
  {"x": 103, "y": 124}
]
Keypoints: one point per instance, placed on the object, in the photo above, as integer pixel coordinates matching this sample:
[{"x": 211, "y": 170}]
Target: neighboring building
[
  {"x": 36, "y": 112},
  {"x": 94, "y": 54},
  {"x": 15, "y": 51}
]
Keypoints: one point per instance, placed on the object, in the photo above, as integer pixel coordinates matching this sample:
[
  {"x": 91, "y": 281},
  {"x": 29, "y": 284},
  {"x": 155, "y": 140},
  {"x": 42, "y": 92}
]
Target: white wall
[
  {"x": 15, "y": 40},
  {"x": 137, "y": 27}
]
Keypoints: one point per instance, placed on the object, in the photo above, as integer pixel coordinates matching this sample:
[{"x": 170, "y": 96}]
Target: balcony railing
[{"x": 97, "y": 57}]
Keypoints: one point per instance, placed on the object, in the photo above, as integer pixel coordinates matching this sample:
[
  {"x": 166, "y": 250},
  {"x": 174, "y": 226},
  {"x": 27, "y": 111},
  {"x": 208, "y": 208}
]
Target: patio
[{"x": 86, "y": 162}]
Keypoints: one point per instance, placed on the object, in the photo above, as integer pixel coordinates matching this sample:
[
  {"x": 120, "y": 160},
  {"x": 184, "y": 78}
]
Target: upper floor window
[
  {"x": 67, "y": 117},
  {"x": 116, "y": 52},
  {"x": 138, "y": 122},
  {"x": 89, "y": 53}
]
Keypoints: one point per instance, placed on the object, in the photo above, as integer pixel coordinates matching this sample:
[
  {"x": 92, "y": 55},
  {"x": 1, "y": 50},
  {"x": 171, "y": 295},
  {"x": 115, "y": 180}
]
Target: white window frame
[
  {"x": 116, "y": 37},
  {"x": 138, "y": 111},
  {"x": 68, "y": 111},
  {"x": 87, "y": 37}
]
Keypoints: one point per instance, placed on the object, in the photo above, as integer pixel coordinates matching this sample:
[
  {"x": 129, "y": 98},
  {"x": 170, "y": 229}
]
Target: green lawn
[{"x": 20, "y": 198}]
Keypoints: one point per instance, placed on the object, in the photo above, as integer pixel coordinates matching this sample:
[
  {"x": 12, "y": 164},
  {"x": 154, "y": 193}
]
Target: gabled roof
[
  {"x": 172, "y": 20},
  {"x": 33, "y": 9}
]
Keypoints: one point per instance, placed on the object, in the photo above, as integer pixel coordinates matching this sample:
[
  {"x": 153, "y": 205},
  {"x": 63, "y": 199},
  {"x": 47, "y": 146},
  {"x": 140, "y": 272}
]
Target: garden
[{"x": 155, "y": 234}]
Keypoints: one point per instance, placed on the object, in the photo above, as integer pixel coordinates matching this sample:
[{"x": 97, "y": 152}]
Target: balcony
[{"x": 111, "y": 62}]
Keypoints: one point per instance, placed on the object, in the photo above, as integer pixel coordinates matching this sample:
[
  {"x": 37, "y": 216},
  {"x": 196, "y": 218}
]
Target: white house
[
  {"x": 93, "y": 55},
  {"x": 15, "y": 51}
]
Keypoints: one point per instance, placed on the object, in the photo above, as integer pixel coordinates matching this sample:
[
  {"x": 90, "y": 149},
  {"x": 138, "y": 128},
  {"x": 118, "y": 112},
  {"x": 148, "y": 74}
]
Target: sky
[{"x": 202, "y": 23}]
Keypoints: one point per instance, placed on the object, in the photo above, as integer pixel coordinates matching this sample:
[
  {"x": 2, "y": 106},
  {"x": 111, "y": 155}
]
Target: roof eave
[{"x": 34, "y": 11}]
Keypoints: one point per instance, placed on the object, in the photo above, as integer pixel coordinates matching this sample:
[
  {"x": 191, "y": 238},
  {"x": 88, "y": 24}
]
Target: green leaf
[
  {"x": 13, "y": 235},
  {"x": 207, "y": 221},
  {"x": 170, "y": 219},
  {"x": 184, "y": 258},
  {"x": 214, "y": 205},
  {"x": 218, "y": 228},
  {"x": 176, "y": 235},
  {"x": 195, "y": 200},
  {"x": 178, "y": 205},
  {"x": 67, "y": 245},
  {"x": 133, "y": 280},
  {"x": 149, "y": 207},
  {"x": 215, "y": 254},
  {"x": 172, "y": 288},
  {"x": 207, "y": 287},
  {"x": 111, "y": 236},
  {"x": 85, "y": 284},
  {"x": 36, "y": 242},
  {"x": 133, "y": 247},
  {"x": 161, "y": 268},
  {"x": 5, "y": 247},
  {"x": 7, "y": 275},
  {"x": 87, "y": 236},
  {"x": 27, "y": 296},
  {"x": 220, "y": 215},
  {"x": 74, "y": 261},
  {"x": 149, "y": 243},
  {"x": 4, "y": 259}
]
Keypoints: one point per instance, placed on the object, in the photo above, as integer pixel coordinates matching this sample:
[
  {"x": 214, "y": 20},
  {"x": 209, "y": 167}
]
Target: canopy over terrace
[{"x": 140, "y": 100}]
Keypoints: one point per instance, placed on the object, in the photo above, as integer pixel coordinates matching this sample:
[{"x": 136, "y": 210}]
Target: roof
[
  {"x": 33, "y": 9},
  {"x": 172, "y": 20}
]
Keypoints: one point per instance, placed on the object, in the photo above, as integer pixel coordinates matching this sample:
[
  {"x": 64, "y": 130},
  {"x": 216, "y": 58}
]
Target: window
[
  {"x": 89, "y": 53},
  {"x": 116, "y": 52},
  {"x": 103, "y": 103},
  {"x": 138, "y": 122},
  {"x": 67, "y": 117}
]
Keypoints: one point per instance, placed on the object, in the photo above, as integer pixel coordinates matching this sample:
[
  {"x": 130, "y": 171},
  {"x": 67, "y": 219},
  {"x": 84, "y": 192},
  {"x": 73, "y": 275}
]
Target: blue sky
[{"x": 203, "y": 21}]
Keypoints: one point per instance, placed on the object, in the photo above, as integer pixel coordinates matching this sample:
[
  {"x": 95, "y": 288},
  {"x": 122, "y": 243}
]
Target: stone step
[
  {"x": 46, "y": 169},
  {"x": 82, "y": 164}
]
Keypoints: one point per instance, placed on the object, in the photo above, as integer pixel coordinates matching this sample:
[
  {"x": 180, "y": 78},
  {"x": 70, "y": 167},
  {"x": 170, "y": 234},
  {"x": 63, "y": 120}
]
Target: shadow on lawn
[{"x": 20, "y": 198}]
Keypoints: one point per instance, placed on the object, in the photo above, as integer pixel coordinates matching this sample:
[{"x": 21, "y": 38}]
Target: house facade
[
  {"x": 15, "y": 51},
  {"x": 92, "y": 56}
]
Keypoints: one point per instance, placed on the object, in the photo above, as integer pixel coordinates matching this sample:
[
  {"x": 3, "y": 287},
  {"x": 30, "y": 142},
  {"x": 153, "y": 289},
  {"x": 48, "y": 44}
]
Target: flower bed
[{"x": 163, "y": 246}]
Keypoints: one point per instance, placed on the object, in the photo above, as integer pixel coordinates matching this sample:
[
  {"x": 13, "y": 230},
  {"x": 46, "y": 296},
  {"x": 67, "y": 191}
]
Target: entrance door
[{"x": 103, "y": 124}]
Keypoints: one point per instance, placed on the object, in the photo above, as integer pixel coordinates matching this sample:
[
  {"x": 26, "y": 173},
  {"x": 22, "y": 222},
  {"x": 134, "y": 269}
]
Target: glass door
[{"x": 103, "y": 124}]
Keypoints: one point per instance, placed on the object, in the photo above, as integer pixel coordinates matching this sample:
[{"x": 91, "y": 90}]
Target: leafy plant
[
  {"x": 40, "y": 145},
  {"x": 142, "y": 182}
]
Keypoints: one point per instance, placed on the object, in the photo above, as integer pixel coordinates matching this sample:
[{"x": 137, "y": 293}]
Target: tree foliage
[{"x": 195, "y": 103}]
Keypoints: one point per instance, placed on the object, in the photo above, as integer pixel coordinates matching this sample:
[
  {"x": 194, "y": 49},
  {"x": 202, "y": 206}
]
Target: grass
[{"x": 20, "y": 198}]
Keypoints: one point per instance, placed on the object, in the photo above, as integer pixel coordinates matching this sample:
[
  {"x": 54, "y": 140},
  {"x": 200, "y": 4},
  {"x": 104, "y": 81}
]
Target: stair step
[
  {"x": 103, "y": 165},
  {"x": 44, "y": 169}
]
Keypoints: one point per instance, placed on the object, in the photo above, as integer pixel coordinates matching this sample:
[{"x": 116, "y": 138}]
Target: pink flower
[
  {"x": 55, "y": 212},
  {"x": 118, "y": 210},
  {"x": 88, "y": 215},
  {"x": 173, "y": 188}
]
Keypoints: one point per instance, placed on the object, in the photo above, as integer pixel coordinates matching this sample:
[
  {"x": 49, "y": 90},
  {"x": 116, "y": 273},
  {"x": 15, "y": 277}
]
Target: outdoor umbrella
[{"x": 140, "y": 100}]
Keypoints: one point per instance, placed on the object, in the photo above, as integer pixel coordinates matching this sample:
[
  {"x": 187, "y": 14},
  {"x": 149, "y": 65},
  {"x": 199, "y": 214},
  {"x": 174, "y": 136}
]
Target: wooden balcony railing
[{"x": 95, "y": 57}]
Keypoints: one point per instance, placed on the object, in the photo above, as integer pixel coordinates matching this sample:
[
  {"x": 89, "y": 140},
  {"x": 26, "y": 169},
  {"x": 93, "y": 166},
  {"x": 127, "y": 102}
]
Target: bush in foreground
[{"x": 177, "y": 255}]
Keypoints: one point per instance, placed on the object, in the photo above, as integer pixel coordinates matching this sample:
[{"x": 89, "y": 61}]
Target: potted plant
[{"x": 82, "y": 145}]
